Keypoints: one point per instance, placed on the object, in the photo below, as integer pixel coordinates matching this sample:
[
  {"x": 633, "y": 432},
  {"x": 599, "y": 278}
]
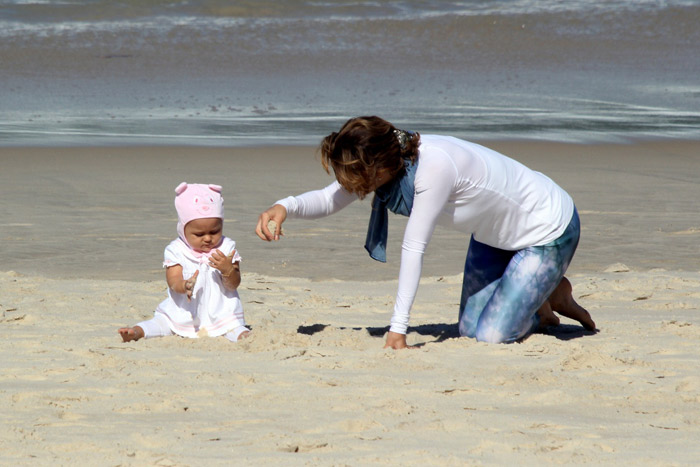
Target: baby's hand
[
  {"x": 223, "y": 263},
  {"x": 189, "y": 285}
]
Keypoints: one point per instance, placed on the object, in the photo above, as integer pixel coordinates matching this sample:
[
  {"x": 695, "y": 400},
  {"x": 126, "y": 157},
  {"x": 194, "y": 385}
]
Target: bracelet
[{"x": 229, "y": 274}]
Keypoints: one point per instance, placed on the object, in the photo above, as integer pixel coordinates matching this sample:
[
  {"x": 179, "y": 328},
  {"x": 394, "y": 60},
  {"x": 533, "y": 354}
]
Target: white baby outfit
[{"x": 213, "y": 310}]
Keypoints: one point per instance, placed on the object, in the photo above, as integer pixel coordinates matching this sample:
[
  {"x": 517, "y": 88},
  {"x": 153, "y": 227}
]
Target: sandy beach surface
[{"x": 83, "y": 232}]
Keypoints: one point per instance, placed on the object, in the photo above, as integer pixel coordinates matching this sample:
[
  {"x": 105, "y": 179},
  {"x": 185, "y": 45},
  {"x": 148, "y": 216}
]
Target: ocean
[{"x": 221, "y": 73}]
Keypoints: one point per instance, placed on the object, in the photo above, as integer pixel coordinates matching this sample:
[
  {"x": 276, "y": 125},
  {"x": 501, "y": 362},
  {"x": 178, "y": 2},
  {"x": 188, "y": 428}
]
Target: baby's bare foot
[{"x": 131, "y": 334}]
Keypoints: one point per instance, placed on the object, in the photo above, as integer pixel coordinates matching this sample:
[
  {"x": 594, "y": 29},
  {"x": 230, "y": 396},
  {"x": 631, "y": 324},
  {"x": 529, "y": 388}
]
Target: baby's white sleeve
[
  {"x": 229, "y": 246},
  {"x": 172, "y": 255},
  {"x": 318, "y": 203}
]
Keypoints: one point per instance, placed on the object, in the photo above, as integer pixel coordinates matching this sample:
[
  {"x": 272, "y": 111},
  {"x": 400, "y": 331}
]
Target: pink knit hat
[{"x": 197, "y": 201}]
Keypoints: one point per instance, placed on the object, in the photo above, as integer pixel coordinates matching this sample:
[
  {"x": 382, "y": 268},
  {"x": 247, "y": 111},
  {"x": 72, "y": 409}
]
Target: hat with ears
[{"x": 197, "y": 201}]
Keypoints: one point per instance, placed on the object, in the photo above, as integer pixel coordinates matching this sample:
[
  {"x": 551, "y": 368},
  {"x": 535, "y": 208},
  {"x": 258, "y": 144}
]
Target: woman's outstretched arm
[{"x": 310, "y": 205}]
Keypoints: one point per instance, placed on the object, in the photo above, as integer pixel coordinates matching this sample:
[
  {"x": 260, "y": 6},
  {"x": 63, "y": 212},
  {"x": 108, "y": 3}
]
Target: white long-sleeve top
[{"x": 468, "y": 187}]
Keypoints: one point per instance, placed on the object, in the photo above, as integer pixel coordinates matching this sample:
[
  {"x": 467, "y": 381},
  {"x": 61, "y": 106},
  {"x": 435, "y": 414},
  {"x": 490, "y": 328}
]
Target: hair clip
[{"x": 402, "y": 137}]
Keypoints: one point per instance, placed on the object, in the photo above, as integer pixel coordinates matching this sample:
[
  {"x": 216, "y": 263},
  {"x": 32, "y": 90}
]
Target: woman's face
[{"x": 383, "y": 176}]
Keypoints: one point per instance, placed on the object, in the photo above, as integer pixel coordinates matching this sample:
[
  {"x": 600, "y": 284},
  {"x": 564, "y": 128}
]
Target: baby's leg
[
  {"x": 131, "y": 334},
  {"x": 156, "y": 327},
  {"x": 241, "y": 332}
]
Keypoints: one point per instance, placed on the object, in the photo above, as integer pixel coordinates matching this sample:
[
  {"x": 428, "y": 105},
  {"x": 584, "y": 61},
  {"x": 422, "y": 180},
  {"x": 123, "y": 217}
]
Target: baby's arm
[{"x": 173, "y": 275}]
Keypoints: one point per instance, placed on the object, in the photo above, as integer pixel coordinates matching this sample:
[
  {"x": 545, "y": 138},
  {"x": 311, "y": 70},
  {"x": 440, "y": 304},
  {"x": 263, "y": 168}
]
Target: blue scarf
[{"x": 395, "y": 196}]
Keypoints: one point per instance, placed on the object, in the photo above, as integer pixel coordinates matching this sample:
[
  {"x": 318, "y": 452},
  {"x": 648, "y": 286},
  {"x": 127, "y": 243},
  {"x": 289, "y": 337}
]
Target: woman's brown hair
[{"x": 363, "y": 146}]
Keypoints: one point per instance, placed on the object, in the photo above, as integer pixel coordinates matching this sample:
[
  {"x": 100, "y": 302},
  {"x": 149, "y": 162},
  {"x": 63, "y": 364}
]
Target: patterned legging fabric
[{"x": 502, "y": 290}]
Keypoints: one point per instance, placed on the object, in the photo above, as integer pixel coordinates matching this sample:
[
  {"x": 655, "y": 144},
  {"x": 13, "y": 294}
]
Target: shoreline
[{"x": 272, "y": 144}]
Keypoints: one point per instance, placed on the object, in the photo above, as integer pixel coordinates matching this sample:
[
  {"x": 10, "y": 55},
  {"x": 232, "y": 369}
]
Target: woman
[{"x": 524, "y": 228}]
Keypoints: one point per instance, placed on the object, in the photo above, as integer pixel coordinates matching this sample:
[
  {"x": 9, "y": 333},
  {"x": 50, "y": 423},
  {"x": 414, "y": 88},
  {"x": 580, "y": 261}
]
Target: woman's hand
[
  {"x": 277, "y": 214},
  {"x": 394, "y": 340}
]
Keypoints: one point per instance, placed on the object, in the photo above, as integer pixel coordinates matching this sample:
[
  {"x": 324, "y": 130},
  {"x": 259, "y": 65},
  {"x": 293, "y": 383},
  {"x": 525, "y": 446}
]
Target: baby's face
[{"x": 204, "y": 234}]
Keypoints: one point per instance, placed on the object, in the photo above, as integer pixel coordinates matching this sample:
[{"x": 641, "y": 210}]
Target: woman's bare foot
[
  {"x": 562, "y": 301},
  {"x": 547, "y": 316},
  {"x": 131, "y": 334}
]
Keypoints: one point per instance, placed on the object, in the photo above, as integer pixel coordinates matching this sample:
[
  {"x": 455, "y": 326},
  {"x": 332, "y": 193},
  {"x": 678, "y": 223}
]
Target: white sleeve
[
  {"x": 433, "y": 189},
  {"x": 172, "y": 254},
  {"x": 318, "y": 203},
  {"x": 228, "y": 246}
]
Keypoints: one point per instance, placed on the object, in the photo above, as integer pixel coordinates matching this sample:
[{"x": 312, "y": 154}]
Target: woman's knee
[
  {"x": 505, "y": 335},
  {"x": 490, "y": 335},
  {"x": 467, "y": 328}
]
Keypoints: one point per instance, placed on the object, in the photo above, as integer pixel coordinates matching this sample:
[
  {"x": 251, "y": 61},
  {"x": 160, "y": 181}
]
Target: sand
[{"x": 83, "y": 232}]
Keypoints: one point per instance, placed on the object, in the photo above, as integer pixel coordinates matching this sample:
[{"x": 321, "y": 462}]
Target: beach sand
[{"x": 83, "y": 231}]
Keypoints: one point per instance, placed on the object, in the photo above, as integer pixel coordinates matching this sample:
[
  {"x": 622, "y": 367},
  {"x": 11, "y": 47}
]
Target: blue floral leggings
[{"x": 502, "y": 290}]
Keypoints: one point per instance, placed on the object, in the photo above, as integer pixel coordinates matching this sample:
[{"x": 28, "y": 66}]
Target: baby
[{"x": 202, "y": 271}]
